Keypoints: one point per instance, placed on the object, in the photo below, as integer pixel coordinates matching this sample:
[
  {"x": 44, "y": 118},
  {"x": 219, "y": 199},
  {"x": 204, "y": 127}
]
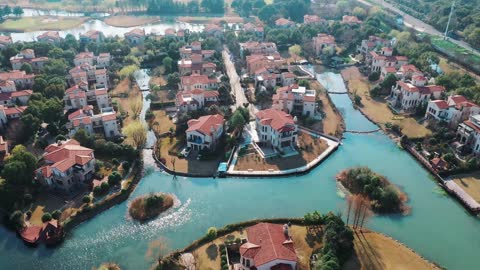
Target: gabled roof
[
  {"x": 266, "y": 243},
  {"x": 441, "y": 104},
  {"x": 206, "y": 124},
  {"x": 66, "y": 154},
  {"x": 283, "y": 22},
  {"x": 135, "y": 32},
  {"x": 276, "y": 119}
]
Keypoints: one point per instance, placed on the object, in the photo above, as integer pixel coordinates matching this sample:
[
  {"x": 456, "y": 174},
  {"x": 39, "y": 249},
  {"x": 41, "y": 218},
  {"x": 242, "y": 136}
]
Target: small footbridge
[{"x": 363, "y": 132}]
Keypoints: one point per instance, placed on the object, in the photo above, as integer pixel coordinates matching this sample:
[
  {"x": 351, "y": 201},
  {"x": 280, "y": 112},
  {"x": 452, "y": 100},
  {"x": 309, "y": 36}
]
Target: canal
[{"x": 438, "y": 227}]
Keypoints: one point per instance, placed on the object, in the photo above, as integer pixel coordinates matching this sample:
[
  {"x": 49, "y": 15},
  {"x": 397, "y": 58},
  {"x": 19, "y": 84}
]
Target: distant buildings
[
  {"x": 195, "y": 99},
  {"x": 101, "y": 61},
  {"x": 92, "y": 36},
  {"x": 205, "y": 132},
  {"x": 313, "y": 19},
  {"x": 194, "y": 60},
  {"x": 5, "y": 41},
  {"x": 385, "y": 59},
  {"x": 372, "y": 44},
  {"x": 268, "y": 247},
  {"x": 21, "y": 79},
  {"x": 52, "y": 37},
  {"x": 77, "y": 97},
  {"x": 276, "y": 128},
  {"x": 255, "y": 47},
  {"x": 324, "y": 44},
  {"x": 135, "y": 36},
  {"x": 27, "y": 56},
  {"x": 257, "y": 62},
  {"x": 104, "y": 123},
  {"x": 195, "y": 47},
  {"x": 213, "y": 30},
  {"x": 87, "y": 74},
  {"x": 284, "y": 23},
  {"x": 256, "y": 29},
  {"x": 67, "y": 166},
  {"x": 296, "y": 100},
  {"x": 351, "y": 20}
]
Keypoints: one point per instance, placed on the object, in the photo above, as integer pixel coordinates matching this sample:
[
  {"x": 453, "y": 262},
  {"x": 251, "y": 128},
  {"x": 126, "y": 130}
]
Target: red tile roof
[
  {"x": 283, "y": 22},
  {"x": 109, "y": 117},
  {"x": 15, "y": 110},
  {"x": 205, "y": 124},
  {"x": 15, "y": 75},
  {"x": 64, "y": 155},
  {"x": 136, "y": 32},
  {"x": 49, "y": 35},
  {"x": 278, "y": 120},
  {"x": 267, "y": 242},
  {"x": 441, "y": 104},
  {"x": 350, "y": 19}
]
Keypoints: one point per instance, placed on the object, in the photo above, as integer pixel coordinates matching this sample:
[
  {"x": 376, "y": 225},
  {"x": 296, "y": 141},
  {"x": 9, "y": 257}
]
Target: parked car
[{"x": 186, "y": 151}]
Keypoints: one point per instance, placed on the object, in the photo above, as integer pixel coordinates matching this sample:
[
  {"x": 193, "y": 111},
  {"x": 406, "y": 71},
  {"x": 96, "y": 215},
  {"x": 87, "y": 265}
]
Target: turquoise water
[{"x": 438, "y": 227}]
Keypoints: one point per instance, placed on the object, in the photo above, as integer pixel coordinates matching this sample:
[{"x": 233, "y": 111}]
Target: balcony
[{"x": 195, "y": 140}]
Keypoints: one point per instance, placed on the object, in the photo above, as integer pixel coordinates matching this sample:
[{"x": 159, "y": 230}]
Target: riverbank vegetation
[
  {"x": 150, "y": 206},
  {"x": 130, "y": 21},
  {"x": 383, "y": 196}
]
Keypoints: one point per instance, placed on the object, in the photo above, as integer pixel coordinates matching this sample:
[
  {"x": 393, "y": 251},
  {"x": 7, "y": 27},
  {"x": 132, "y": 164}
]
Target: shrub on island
[
  {"x": 384, "y": 196},
  {"x": 149, "y": 206}
]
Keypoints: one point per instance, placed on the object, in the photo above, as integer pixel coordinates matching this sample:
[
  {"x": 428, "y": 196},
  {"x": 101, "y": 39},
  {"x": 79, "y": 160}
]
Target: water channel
[{"x": 437, "y": 228}]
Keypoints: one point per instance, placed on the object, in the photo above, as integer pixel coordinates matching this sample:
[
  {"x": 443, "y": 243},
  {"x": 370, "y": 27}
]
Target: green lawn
[
  {"x": 28, "y": 24},
  {"x": 448, "y": 45}
]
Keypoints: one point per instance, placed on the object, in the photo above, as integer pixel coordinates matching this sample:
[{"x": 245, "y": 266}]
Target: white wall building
[
  {"x": 205, "y": 132},
  {"x": 295, "y": 100},
  {"x": 408, "y": 95},
  {"x": 454, "y": 110},
  {"x": 276, "y": 128}
]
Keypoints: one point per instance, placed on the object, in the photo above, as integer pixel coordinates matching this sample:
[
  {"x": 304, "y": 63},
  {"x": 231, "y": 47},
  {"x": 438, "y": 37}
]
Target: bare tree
[
  {"x": 137, "y": 131},
  {"x": 136, "y": 106},
  {"x": 349, "y": 207}
]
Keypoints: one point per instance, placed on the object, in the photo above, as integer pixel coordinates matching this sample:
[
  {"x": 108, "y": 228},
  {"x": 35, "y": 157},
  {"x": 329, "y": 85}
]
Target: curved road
[{"x": 417, "y": 24}]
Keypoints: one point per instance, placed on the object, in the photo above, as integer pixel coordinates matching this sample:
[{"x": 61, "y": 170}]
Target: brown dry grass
[
  {"x": 470, "y": 183},
  {"x": 332, "y": 123},
  {"x": 306, "y": 240},
  {"x": 449, "y": 67},
  {"x": 374, "y": 251},
  {"x": 377, "y": 109},
  {"x": 130, "y": 21},
  {"x": 186, "y": 165},
  {"x": 214, "y": 20},
  {"x": 256, "y": 163},
  {"x": 203, "y": 255},
  {"x": 124, "y": 103},
  {"x": 139, "y": 211},
  {"x": 164, "y": 123}
]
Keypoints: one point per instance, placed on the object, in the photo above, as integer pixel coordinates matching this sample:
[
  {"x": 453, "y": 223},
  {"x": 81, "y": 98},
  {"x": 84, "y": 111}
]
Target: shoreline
[
  {"x": 230, "y": 228},
  {"x": 127, "y": 21},
  {"x": 72, "y": 22}
]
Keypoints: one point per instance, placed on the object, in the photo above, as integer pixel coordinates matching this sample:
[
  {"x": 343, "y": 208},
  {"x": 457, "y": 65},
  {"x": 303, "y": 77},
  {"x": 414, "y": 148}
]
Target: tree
[
  {"x": 135, "y": 105},
  {"x": 114, "y": 178},
  {"x": 359, "y": 12},
  {"x": 18, "y": 11},
  {"x": 31, "y": 124},
  {"x": 211, "y": 233},
  {"x": 237, "y": 121},
  {"x": 7, "y": 10},
  {"x": 56, "y": 214},
  {"x": 167, "y": 64},
  {"x": 389, "y": 81},
  {"x": 137, "y": 131},
  {"x": 27, "y": 68},
  {"x": 173, "y": 79},
  {"x": 84, "y": 138},
  {"x": 295, "y": 51},
  {"x": 86, "y": 199},
  {"x": 19, "y": 167},
  {"x": 46, "y": 217},
  {"x": 55, "y": 67},
  {"x": 268, "y": 14},
  {"x": 16, "y": 220},
  {"x": 128, "y": 71}
]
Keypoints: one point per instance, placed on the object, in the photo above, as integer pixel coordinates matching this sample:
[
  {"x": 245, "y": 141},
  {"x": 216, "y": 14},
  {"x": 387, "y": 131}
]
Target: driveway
[{"x": 237, "y": 89}]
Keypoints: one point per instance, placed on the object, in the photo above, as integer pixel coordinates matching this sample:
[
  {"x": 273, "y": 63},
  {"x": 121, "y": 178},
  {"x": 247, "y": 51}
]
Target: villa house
[
  {"x": 5, "y": 41},
  {"x": 104, "y": 123},
  {"x": 135, "y": 36},
  {"x": 195, "y": 47},
  {"x": 468, "y": 133},
  {"x": 454, "y": 110},
  {"x": 3, "y": 149},
  {"x": 92, "y": 36},
  {"x": 195, "y": 65},
  {"x": 195, "y": 99},
  {"x": 10, "y": 113},
  {"x": 85, "y": 73},
  {"x": 313, "y": 19},
  {"x": 170, "y": 33},
  {"x": 371, "y": 44},
  {"x": 84, "y": 57},
  {"x": 205, "y": 132},
  {"x": 256, "y": 29},
  {"x": 269, "y": 247},
  {"x": 384, "y": 58},
  {"x": 52, "y": 37},
  {"x": 213, "y": 30},
  {"x": 255, "y": 47},
  {"x": 196, "y": 81},
  {"x": 408, "y": 95},
  {"x": 350, "y": 20},
  {"x": 21, "y": 79},
  {"x": 67, "y": 166},
  {"x": 78, "y": 96},
  {"x": 324, "y": 44},
  {"x": 49, "y": 232},
  {"x": 27, "y": 56},
  {"x": 257, "y": 62},
  {"x": 103, "y": 60},
  {"x": 276, "y": 128},
  {"x": 284, "y": 23},
  {"x": 295, "y": 100}
]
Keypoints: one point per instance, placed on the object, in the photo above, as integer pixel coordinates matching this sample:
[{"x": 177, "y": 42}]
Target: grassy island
[
  {"x": 384, "y": 197},
  {"x": 147, "y": 207}
]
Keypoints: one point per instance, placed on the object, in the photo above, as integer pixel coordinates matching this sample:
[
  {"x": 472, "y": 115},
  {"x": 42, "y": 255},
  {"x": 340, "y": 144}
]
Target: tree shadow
[
  {"x": 212, "y": 252},
  {"x": 314, "y": 235},
  {"x": 371, "y": 256}
]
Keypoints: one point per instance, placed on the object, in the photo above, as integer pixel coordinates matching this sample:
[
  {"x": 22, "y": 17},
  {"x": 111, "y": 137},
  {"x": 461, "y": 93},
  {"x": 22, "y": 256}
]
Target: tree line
[{"x": 168, "y": 7}]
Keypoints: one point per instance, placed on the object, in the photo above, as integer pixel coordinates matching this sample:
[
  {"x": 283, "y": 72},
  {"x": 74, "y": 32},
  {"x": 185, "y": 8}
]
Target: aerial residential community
[{"x": 239, "y": 134}]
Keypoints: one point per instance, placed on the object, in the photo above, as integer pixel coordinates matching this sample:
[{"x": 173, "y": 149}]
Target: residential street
[
  {"x": 417, "y": 24},
  {"x": 237, "y": 90}
]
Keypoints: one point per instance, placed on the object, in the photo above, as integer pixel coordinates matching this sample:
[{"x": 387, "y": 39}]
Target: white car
[{"x": 186, "y": 151}]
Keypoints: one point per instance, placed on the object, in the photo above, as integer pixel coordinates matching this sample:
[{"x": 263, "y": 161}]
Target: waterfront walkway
[{"x": 462, "y": 195}]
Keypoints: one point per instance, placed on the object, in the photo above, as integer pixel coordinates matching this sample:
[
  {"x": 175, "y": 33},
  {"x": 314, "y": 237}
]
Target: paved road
[
  {"x": 417, "y": 24},
  {"x": 237, "y": 90}
]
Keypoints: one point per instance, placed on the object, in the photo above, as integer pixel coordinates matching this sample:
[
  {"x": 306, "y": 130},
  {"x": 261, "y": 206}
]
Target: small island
[
  {"x": 150, "y": 206},
  {"x": 383, "y": 196}
]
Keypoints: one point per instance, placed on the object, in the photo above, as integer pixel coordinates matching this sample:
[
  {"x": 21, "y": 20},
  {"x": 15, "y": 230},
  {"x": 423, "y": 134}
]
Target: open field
[
  {"x": 332, "y": 123},
  {"x": 132, "y": 95},
  {"x": 310, "y": 148},
  {"x": 374, "y": 251},
  {"x": 130, "y": 21},
  {"x": 377, "y": 109},
  {"x": 30, "y": 24},
  {"x": 470, "y": 183},
  {"x": 164, "y": 123},
  {"x": 67, "y": 5}
]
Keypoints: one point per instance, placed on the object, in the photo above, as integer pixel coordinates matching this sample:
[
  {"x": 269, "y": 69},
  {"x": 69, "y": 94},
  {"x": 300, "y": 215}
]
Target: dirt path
[{"x": 332, "y": 124}]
